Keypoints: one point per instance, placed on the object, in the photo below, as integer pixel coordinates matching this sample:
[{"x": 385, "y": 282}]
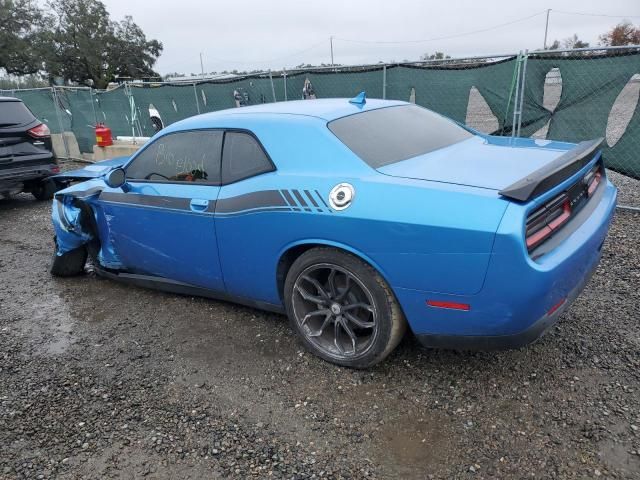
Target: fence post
[
  {"x": 384, "y": 82},
  {"x": 524, "y": 81},
  {"x": 195, "y": 93},
  {"x": 93, "y": 106},
  {"x": 516, "y": 96},
  {"x": 273, "y": 90},
  {"x": 132, "y": 106},
  {"x": 56, "y": 105},
  {"x": 284, "y": 72}
]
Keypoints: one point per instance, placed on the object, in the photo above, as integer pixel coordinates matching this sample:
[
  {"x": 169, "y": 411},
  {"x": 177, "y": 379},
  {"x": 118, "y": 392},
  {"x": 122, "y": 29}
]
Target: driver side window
[{"x": 180, "y": 157}]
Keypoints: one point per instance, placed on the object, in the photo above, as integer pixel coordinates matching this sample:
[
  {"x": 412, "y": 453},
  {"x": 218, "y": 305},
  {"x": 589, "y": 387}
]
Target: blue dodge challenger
[{"x": 356, "y": 218}]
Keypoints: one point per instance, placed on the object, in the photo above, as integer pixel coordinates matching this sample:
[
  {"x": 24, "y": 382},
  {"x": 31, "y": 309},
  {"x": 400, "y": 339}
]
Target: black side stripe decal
[
  {"x": 322, "y": 199},
  {"x": 173, "y": 203},
  {"x": 249, "y": 201},
  {"x": 310, "y": 197},
  {"x": 300, "y": 199},
  {"x": 289, "y": 198},
  {"x": 256, "y": 210},
  {"x": 262, "y": 201}
]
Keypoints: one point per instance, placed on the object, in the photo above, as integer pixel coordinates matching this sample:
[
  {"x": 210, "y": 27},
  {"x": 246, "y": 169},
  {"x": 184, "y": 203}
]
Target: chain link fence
[{"x": 570, "y": 95}]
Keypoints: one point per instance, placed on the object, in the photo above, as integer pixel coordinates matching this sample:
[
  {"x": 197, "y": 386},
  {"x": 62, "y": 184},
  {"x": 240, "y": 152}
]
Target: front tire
[
  {"x": 70, "y": 263},
  {"x": 342, "y": 309}
]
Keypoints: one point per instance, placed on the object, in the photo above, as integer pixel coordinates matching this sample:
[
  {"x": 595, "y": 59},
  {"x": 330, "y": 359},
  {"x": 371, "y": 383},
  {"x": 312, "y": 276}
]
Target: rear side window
[
  {"x": 388, "y": 135},
  {"x": 243, "y": 157},
  {"x": 180, "y": 157},
  {"x": 14, "y": 113}
]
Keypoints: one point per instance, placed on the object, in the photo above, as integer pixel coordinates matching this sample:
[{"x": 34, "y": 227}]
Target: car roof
[
  {"x": 326, "y": 109},
  {"x": 9, "y": 99}
]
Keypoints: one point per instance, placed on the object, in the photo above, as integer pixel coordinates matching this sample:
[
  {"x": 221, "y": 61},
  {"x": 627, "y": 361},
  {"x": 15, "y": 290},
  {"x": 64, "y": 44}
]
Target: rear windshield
[
  {"x": 14, "y": 113},
  {"x": 388, "y": 135}
]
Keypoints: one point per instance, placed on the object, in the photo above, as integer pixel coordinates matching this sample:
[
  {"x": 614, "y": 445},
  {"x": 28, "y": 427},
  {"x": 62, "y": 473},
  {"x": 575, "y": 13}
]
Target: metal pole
[
  {"x": 93, "y": 105},
  {"x": 273, "y": 90},
  {"x": 384, "y": 82},
  {"x": 546, "y": 29},
  {"x": 195, "y": 94},
  {"x": 132, "y": 106},
  {"x": 284, "y": 72},
  {"x": 524, "y": 76},
  {"x": 591, "y": 49},
  {"x": 515, "y": 103},
  {"x": 201, "y": 66},
  {"x": 331, "y": 43},
  {"x": 56, "y": 106},
  {"x": 629, "y": 208}
]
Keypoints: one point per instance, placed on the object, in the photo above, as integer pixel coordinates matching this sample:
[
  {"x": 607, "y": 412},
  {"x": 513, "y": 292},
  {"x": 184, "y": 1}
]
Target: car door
[
  {"x": 162, "y": 222},
  {"x": 246, "y": 216}
]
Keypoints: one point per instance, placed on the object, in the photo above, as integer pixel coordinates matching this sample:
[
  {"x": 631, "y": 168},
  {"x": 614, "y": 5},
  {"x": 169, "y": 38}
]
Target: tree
[
  {"x": 434, "y": 56},
  {"x": 133, "y": 55},
  {"x": 555, "y": 45},
  {"x": 622, "y": 34},
  {"x": 21, "y": 37},
  {"x": 87, "y": 47},
  {"x": 574, "y": 42}
]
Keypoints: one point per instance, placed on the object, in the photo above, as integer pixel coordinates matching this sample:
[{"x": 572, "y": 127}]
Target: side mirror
[{"x": 116, "y": 178}]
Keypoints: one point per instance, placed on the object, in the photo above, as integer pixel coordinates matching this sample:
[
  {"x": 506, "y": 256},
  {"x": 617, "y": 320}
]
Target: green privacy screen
[
  {"x": 42, "y": 103},
  {"x": 590, "y": 86},
  {"x": 585, "y": 85}
]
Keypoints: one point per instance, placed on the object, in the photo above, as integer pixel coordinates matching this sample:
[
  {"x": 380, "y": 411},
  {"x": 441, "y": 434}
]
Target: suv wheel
[{"x": 44, "y": 190}]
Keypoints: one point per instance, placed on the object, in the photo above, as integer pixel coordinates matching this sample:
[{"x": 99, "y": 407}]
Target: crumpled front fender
[{"x": 67, "y": 224}]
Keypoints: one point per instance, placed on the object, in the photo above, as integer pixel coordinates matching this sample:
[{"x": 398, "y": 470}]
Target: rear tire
[
  {"x": 342, "y": 309},
  {"x": 70, "y": 263},
  {"x": 44, "y": 190}
]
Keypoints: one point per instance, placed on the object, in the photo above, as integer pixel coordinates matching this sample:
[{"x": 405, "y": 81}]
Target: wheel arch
[{"x": 291, "y": 252}]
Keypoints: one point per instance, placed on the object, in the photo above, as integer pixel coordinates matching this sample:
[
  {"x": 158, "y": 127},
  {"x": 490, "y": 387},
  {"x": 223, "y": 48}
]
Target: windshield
[{"x": 388, "y": 135}]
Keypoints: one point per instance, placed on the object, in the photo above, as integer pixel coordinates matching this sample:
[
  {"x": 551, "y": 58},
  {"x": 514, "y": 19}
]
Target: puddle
[
  {"x": 411, "y": 445},
  {"x": 252, "y": 339},
  {"x": 49, "y": 322}
]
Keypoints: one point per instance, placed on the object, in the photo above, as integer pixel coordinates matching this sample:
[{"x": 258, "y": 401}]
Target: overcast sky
[{"x": 262, "y": 34}]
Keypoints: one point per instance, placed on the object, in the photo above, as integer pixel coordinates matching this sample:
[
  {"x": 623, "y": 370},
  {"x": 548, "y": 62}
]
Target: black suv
[{"x": 26, "y": 154}]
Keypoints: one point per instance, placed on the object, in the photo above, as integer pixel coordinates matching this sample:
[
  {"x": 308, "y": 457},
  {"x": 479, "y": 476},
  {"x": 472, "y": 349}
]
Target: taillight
[
  {"x": 39, "y": 131},
  {"x": 593, "y": 179},
  {"x": 546, "y": 220}
]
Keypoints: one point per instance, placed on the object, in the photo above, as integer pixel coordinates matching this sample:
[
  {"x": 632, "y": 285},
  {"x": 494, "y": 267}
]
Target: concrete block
[
  {"x": 118, "y": 149},
  {"x": 58, "y": 140}
]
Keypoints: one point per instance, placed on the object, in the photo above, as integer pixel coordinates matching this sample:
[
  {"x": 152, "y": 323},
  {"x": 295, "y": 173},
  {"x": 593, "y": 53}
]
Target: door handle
[{"x": 198, "y": 205}]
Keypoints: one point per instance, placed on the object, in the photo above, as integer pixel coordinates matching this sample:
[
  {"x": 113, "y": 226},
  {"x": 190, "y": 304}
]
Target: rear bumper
[
  {"x": 19, "y": 175},
  {"x": 512, "y": 308},
  {"x": 504, "y": 342}
]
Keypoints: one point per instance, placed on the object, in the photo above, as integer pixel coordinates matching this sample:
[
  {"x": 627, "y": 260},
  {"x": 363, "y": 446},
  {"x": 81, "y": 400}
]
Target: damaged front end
[
  {"x": 78, "y": 223},
  {"x": 77, "y": 217},
  {"x": 66, "y": 215}
]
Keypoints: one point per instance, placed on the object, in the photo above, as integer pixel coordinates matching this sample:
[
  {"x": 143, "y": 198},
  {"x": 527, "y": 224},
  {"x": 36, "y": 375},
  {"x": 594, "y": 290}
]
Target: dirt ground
[{"x": 102, "y": 380}]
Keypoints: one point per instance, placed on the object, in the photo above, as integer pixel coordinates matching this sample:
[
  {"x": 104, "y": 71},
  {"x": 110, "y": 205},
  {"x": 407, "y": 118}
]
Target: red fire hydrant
[{"x": 103, "y": 135}]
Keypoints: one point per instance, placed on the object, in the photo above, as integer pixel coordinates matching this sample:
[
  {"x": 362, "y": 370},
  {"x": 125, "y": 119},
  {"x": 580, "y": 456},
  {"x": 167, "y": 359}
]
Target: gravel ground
[{"x": 102, "y": 380}]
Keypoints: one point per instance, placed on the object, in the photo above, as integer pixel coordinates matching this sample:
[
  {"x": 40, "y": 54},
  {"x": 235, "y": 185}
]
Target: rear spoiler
[{"x": 554, "y": 172}]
